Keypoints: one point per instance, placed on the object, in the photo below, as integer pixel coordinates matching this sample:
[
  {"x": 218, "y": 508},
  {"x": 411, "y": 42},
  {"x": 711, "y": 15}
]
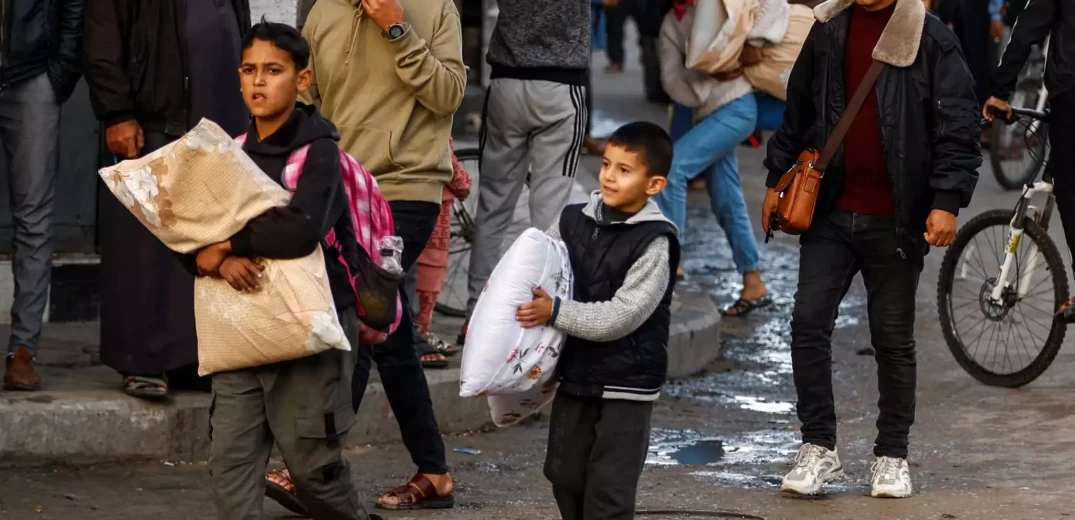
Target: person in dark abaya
[{"x": 154, "y": 70}]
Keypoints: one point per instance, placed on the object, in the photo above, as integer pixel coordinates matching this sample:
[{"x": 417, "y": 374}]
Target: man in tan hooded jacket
[{"x": 389, "y": 74}]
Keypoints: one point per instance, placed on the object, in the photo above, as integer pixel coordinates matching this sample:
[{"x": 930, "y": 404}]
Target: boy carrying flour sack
[
  {"x": 304, "y": 405},
  {"x": 624, "y": 254}
]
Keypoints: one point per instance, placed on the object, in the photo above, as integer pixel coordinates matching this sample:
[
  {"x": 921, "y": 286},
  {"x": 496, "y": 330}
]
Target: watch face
[{"x": 395, "y": 32}]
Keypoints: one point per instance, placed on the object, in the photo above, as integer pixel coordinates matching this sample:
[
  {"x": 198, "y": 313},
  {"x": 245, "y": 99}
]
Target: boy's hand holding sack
[
  {"x": 502, "y": 357},
  {"x": 378, "y": 272},
  {"x": 199, "y": 191}
]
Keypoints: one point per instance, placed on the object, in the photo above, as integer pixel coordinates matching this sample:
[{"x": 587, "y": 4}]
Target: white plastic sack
[
  {"x": 718, "y": 33},
  {"x": 502, "y": 357},
  {"x": 508, "y": 410},
  {"x": 771, "y": 23}
]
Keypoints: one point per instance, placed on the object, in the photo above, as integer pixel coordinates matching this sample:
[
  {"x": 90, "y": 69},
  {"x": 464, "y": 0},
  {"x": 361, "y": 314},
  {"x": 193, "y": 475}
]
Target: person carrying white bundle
[
  {"x": 505, "y": 358},
  {"x": 623, "y": 254}
]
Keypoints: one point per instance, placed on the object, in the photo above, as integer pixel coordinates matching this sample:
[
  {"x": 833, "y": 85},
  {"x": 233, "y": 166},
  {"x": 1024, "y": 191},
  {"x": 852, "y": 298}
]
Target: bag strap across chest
[{"x": 852, "y": 110}]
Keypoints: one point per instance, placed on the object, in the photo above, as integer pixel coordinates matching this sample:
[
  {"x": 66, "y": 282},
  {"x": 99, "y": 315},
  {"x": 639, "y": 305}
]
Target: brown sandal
[
  {"x": 284, "y": 495},
  {"x": 419, "y": 493}
]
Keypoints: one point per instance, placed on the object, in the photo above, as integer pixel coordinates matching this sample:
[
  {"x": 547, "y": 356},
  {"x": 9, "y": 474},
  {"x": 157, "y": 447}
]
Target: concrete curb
[
  {"x": 694, "y": 338},
  {"x": 102, "y": 425}
]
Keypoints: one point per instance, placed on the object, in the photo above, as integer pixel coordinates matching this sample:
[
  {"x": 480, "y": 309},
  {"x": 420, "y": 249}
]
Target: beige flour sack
[
  {"x": 772, "y": 73},
  {"x": 201, "y": 190},
  {"x": 720, "y": 30}
]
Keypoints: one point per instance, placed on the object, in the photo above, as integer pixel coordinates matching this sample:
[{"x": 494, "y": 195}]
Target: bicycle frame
[
  {"x": 1016, "y": 234},
  {"x": 1043, "y": 93}
]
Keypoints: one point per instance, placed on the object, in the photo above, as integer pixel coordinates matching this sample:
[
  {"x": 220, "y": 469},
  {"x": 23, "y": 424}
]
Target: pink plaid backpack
[{"x": 371, "y": 218}]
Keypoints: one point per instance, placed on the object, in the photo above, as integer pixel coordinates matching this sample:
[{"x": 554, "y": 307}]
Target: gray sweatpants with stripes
[{"x": 531, "y": 134}]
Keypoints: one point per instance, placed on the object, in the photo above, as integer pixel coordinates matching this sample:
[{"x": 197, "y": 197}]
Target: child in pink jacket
[{"x": 433, "y": 263}]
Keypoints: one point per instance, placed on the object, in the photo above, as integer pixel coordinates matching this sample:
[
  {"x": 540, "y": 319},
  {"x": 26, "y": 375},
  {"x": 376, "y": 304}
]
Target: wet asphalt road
[{"x": 720, "y": 441}]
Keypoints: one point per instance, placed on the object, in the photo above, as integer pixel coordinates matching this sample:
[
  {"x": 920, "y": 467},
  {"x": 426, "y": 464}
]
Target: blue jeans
[
  {"x": 710, "y": 149},
  {"x": 770, "y": 112},
  {"x": 682, "y": 121},
  {"x": 598, "y": 21}
]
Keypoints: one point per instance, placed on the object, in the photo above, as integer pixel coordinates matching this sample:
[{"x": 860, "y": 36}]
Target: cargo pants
[{"x": 305, "y": 407}]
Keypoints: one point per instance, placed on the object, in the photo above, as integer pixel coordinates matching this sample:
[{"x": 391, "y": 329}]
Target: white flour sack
[
  {"x": 200, "y": 190},
  {"x": 502, "y": 357}
]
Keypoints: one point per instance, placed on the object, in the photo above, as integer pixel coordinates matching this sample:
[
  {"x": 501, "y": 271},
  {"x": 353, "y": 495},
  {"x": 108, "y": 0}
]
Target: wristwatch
[{"x": 395, "y": 31}]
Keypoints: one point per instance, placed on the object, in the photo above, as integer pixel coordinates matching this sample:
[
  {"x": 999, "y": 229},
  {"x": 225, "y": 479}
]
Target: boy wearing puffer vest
[
  {"x": 624, "y": 254},
  {"x": 304, "y": 405}
]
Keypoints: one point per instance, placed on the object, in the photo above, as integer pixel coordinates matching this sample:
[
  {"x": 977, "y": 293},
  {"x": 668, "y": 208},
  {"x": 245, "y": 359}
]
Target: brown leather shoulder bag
[{"x": 799, "y": 187}]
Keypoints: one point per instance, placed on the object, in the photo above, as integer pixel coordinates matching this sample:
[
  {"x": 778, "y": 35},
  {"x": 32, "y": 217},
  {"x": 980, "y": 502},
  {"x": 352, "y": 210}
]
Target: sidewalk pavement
[{"x": 81, "y": 416}]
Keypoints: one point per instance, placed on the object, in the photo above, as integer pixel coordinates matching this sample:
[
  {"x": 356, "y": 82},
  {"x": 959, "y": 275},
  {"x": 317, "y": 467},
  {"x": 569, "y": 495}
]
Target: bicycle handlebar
[{"x": 1017, "y": 113}]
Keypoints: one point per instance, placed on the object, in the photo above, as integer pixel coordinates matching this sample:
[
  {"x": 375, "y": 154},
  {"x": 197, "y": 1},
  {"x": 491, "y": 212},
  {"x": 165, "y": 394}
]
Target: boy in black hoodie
[{"x": 303, "y": 405}]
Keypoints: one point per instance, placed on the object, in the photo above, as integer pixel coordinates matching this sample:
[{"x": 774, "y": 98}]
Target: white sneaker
[
  {"x": 891, "y": 478},
  {"x": 814, "y": 467}
]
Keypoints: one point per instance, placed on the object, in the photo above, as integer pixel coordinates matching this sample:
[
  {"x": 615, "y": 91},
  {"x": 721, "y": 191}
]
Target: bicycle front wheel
[{"x": 1012, "y": 342}]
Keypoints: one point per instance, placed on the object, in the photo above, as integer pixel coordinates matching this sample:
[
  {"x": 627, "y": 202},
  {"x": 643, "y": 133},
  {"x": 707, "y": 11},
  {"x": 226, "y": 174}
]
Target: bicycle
[
  {"x": 1000, "y": 286},
  {"x": 1017, "y": 160}
]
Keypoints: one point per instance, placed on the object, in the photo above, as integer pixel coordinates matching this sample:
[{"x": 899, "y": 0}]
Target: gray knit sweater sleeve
[{"x": 632, "y": 305}]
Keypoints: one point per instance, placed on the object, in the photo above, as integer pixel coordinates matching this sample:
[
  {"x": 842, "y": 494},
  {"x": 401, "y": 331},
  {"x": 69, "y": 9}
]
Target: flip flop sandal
[
  {"x": 146, "y": 387},
  {"x": 442, "y": 346},
  {"x": 281, "y": 495},
  {"x": 419, "y": 493},
  {"x": 742, "y": 307},
  {"x": 435, "y": 364},
  {"x": 425, "y": 349}
]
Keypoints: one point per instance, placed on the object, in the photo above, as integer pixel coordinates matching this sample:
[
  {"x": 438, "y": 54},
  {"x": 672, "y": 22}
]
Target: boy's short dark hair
[
  {"x": 648, "y": 140},
  {"x": 283, "y": 37}
]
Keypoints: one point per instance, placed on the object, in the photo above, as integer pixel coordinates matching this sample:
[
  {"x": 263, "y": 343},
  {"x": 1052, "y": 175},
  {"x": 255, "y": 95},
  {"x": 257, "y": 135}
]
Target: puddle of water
[
  {"x": 701, "y": 453},
  {"x": 605, "y": 124},
  {"x": 760, "y": 404},
  {"x": 711, "y": 266},
  {"x": 691, "y": 448}
]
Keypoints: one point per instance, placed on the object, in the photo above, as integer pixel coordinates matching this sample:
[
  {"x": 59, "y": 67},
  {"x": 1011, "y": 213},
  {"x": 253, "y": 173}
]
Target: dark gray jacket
[{"x": 542, "y": 40}]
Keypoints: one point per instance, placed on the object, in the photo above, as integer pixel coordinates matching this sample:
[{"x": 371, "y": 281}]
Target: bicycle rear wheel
[
  {"x": 1018, "y": 154},
  {"x": 1010, "y": 344},
  {"x": 453, "y": 296}
]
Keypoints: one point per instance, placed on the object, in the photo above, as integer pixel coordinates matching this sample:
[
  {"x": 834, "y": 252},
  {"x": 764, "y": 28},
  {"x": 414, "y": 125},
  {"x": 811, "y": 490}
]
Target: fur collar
[{"x": 899, "y": 42}]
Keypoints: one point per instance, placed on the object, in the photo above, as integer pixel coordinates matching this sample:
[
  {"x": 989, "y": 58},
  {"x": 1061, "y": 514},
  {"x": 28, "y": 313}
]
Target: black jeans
[
  {"x": 1062, "y": 156},
  {"x": 597, "y": 449},
  {"x": 397, "y": 361},
  {"x": 833, "y": 251}
]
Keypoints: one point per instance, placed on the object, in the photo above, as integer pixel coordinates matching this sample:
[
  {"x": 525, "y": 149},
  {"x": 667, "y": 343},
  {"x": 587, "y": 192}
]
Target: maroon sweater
[{"x": 867, "y": 186}]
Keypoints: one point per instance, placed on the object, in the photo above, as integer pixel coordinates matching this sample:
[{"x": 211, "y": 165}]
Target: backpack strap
[{"x": 293, "y": 170}]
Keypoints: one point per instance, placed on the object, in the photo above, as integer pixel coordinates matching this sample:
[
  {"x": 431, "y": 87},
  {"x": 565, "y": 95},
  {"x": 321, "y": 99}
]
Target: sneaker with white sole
[
  {"x": 891, "y": 478},
  {"x": 815, "y": 466}
]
